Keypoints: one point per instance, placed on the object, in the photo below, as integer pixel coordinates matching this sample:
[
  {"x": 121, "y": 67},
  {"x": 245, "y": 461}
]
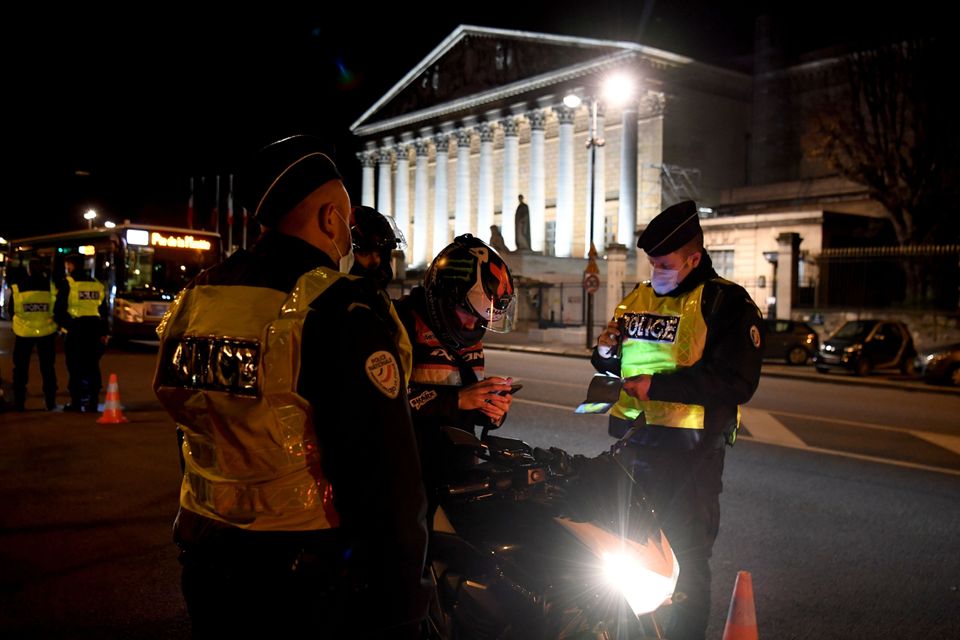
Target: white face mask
[
  {"x": 346, "y": 261},
  {"x": 665, "y": 280}
]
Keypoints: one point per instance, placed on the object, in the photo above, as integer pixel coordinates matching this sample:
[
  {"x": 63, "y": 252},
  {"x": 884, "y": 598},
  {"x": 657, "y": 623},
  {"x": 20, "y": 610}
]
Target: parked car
[
  {"x": 861, "y": 346},
  {"x": 940, "y": 365},
  {"x": 791, "y": 341}
]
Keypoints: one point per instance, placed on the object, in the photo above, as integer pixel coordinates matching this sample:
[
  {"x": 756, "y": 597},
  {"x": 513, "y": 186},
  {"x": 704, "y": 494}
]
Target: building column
[
  {"x": 536, "y": 200},
  {"x": 462, "y": 222},
  {"x": 627, "y": 215},
  {"x": 401, "y": 207},
  {"x": 368, "y": 160},
  {"x": 788, "y": 254},
  {"x": 511, "y": 180},
  {"x": 599, "y": 187},
  {"x": 485, "y": 182},
  {"x": 384, "y": 182},
  {"x": 563, "y": 239},
  {"x": 441, "y": 214},
  {"x": 419, "y": 250}
]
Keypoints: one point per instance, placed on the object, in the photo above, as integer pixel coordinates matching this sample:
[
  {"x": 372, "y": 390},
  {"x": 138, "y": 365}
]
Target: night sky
[{"x": 143, "y": 96}]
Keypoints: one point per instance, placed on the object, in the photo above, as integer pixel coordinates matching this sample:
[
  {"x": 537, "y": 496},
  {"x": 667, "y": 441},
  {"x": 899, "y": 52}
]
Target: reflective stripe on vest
[
  {"x": 84, "y": 298},
  {"x": 33, "y": 312},
  {"x": 661, "y": 334}
]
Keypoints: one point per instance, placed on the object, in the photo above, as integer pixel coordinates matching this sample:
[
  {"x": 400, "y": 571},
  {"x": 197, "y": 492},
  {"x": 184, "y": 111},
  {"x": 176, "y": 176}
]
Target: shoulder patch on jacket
[{"x": 384, "y": 373}]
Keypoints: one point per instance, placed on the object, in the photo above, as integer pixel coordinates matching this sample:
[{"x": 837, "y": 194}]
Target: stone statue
[
  {"x": 521, "y": 222},
  {"x": 496, "y": 240}
]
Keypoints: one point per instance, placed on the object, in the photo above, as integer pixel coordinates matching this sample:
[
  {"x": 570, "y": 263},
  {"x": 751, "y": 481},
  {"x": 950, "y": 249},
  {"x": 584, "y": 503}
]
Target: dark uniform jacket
[
  {"x": 369, "y": 450},
  {"x": 724, "y": 378}
]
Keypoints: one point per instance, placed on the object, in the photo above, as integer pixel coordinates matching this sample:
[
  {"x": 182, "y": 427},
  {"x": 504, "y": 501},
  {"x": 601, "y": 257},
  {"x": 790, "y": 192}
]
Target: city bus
[{"x": 142, "y": 266}]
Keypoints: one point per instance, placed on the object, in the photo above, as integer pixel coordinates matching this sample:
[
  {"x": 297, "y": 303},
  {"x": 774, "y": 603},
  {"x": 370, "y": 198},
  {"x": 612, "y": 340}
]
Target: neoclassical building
[{"x": 483, "y": 119}]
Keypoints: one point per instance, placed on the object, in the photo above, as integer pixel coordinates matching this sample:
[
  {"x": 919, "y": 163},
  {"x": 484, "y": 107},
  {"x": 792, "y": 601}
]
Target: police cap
[
  {"x": 674, "y": 227},
  {"x": 282, "y": 174}
]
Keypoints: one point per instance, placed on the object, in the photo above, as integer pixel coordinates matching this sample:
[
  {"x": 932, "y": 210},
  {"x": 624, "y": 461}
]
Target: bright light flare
[
  {"x": 618, "y": 89},
  {"x": 643, "y": 589},
  {"x": 572, "y": 101}
]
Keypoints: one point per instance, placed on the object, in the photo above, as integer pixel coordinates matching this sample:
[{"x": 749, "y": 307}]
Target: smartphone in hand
[{"x": 513, "y": 389}]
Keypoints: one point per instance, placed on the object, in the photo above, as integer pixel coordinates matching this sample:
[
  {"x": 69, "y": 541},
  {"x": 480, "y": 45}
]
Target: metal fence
[{"x": 909, "y": 277}]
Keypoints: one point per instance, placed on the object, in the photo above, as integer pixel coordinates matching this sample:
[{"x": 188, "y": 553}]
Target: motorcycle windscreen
[{"x": 644, "y": 573}]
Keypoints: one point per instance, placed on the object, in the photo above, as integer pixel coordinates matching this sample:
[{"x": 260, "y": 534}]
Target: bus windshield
[{"x": 150, "y": 270}]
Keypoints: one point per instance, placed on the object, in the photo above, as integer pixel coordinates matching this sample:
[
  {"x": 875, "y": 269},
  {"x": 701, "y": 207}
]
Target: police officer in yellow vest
[
  {"x": 301, "y": 505},
  {"x": 33, "y": 326},
  {"x": 81, "y": 311},
  {"x": 688, "y": 345}
]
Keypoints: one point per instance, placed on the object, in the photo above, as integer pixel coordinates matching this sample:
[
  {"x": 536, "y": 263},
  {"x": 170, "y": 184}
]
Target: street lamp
[
  {"x": 89, "y": 217},
  {"x": 617, "y": 89}
]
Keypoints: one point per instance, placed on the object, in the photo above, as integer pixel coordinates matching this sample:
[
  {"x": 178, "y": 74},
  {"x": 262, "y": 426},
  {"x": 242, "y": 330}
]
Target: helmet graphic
[{"x": 471, "y": 277}]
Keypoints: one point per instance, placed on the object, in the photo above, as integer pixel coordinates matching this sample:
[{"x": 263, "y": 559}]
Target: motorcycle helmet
[
  {"x": 375, "y": 233},
  {"x": 470, "y": 276}
]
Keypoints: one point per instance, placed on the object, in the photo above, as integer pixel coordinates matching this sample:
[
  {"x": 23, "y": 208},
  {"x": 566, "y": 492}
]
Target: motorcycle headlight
[
  {"x": 644, "y": 587},
  {"x": 853, "y": 348}
]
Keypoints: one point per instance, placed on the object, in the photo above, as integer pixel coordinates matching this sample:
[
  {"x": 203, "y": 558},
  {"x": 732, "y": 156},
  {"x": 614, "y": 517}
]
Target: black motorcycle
[{"x": 536, "y": 544}]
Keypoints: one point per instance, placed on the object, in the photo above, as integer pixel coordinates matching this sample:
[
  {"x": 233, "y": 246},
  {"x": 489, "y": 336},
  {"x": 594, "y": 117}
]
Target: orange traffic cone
[
  {"x": 111, "y": 407},
  {"x": 742, "y": 616}
]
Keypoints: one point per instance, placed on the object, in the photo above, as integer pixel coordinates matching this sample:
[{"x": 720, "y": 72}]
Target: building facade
[{"x": 483, "y": 119}]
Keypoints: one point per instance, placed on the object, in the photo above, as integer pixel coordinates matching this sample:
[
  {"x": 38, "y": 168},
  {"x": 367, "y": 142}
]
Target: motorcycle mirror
[{"x": 603, "y": 392}]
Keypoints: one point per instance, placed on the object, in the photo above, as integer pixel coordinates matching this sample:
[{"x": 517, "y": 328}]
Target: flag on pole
[
  {"x": 215, "y": 214},
  {"x": 190, "y": 206},
  {"x": 230, "y": 215}
]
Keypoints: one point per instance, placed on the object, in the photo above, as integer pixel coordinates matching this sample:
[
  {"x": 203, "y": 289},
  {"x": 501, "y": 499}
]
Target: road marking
[
  {"x": 944, "y": 440},
  {"x": 549, "y": 405},
  {"x": 576, "y": 385},
  {"x": 859, "y": 456},
  {"x": 765, "y": 428}
]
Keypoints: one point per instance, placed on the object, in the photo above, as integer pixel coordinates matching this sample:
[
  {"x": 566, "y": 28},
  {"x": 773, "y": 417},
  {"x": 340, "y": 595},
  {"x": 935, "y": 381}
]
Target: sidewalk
[{"x": 544, "y": 343}]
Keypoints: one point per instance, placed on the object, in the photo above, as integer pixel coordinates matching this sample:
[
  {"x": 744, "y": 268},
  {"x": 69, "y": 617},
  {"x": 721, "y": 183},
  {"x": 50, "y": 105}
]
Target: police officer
[
  {"x": 33, "y": 326},
  {"x": 301, "y": 504},
  {"x": 81, "y": 311},
  {"x": 375, "y": 238},
  {"x": 688, "y": 345}
]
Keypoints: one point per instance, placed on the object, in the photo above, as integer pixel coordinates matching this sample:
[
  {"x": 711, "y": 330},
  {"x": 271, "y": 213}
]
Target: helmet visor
[
  {"x": 497, "y": 313},
  {"x": 400, "y": 243}
]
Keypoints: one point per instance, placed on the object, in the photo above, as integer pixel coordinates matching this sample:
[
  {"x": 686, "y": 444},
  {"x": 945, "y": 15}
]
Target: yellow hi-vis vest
[
  {"x": 33, "y": 312},
  {"x": 660, "y": 334},
  {"x": 227, "y": 373},
  {"x": 84, "y": 298}
]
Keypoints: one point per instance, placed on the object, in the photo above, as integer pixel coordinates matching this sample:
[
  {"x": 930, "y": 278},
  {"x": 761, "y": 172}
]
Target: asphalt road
[{"x": 840, "y": 544}]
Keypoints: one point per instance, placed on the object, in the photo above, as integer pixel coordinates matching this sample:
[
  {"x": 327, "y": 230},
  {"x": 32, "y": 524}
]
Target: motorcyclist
[
  {"x": 375, "y": 238},
  {"x": 466, "y": 290}
]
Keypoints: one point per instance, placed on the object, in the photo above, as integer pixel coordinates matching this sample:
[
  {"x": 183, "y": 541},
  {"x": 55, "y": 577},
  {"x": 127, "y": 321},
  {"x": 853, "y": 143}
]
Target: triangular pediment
[{"x": 475, "y": 61}]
